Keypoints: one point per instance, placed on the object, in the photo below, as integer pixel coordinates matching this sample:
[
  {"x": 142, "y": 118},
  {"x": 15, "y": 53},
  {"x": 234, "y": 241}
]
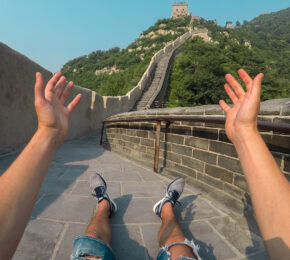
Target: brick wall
[{"x": 199, "y": 152}]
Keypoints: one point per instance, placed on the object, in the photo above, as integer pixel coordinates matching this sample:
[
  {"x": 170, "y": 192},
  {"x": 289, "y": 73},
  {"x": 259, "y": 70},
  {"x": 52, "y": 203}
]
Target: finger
[
  {"x": 59, "y": 86},
  {"x": 51, "y": 83},
  {"x": 246, "y": 79},
  {"x": 38, "y": 88},
  {"x": 71, "y": 106},
  {"x": 256, "y": 89},
  {"x": 235, "y": 85},
  {"x": 224, "y": 106},
  {"x": 231, "y": 93},
  {"x": 66, "y": 91}
]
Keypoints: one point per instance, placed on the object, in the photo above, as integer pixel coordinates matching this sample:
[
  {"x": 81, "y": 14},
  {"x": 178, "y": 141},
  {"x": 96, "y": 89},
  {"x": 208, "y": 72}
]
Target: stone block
[
  {"x": 234, "y": 191},
  {"x": 219, "y": 173},
  {"x": 213, "y": 110},
  {"x": 134, "y": 211},
  {"x": 143, "y": 134},
  {"x": 66, "y": 246},
  {"x": 39, "y": 240},
  {"x": 210, "y": 180},
  {"x": 56, "y": 186},
  {"x": 173, "y": 157},
  {"x": 83, "y": 188},
  {"x": 181, "y": 149},
  {"x": 177, "y": 139},
  {"x": 223, "y": 148},
  {"x": 131, "y": 139},
  {"x": 188, "y": 171},
  {"x": 120, "y": 175},
  {"x": 240, "y": 181},
  {"x": 150, "y": 236},
  {"x": 197, "y": 142},
  {"x": 127, "y": 242},
  {"x": 193, "y": 208},
  {"x": 207, "y": 133},
  {"x": 223, "y": 137},
  {"x": 180, "y": 130},
  {"x": 193, "y": 163},
  {"x": 144, "y": 189},
  {"x": 147, "y": 126},
  {"x": 65, "y": 208},
  {"x": 131, "y": 132},
  {"x": 205, "y": 156},
  {"x": 147, "y": 142},
  {"x": 246, "y": 242},
  {"x": 230, "y": 164},
  {"x": 212, "y": 246}
]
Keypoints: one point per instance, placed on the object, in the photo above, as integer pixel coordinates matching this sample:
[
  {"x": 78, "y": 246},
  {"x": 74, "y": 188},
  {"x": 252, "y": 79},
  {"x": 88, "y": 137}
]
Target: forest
[
  {"x": 129, "y": 64},
  {"x": 197, "y": 74},
  {"x": 262, "y": 45}
]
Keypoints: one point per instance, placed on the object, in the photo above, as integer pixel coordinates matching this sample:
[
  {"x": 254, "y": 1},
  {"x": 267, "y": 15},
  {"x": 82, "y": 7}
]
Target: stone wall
[
  {"x": 17, "y": 115},
  {"x": 200, "y": 152}
]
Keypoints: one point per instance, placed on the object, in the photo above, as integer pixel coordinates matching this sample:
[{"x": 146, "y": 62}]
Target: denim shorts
[
  {"x": 164, "y": 253},
  {"x": 86, "y": 245}
]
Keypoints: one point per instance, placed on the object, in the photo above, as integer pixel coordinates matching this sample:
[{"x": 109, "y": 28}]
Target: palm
[
  {"x": 243, "y": 115},
  {"x": 49, "y": 104}
]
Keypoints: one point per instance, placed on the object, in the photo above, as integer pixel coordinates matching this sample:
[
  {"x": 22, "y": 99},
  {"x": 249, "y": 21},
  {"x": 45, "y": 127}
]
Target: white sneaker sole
[
  {"x": 156, "y": 204},
  {"x": 115, "y": 205}
]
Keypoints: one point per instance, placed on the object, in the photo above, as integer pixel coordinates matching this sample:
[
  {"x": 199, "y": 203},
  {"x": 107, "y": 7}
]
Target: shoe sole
[
  {"x": 156, "y": 204},
  {"x": 115, "y": 205}
]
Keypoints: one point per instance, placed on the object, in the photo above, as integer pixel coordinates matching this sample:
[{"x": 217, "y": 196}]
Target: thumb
[
  {"x": 256, "y": 89},
  {"x": 38, "y": 88}
]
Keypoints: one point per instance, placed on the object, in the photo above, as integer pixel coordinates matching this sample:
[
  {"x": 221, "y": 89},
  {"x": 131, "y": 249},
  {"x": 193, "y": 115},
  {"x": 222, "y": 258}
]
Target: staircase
[{"x": 152, "y": 88}]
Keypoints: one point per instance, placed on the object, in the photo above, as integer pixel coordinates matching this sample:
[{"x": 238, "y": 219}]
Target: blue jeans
[{"x": 85, "y": 245}]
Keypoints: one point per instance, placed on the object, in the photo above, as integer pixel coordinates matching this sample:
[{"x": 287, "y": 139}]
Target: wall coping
[{"x": 274, "y": 107}]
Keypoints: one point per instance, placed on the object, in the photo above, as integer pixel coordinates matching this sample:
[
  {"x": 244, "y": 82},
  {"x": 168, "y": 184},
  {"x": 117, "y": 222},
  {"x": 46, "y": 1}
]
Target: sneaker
[
  {"x": 99, "y": 188},
  {"x": 174, "y": 191}
]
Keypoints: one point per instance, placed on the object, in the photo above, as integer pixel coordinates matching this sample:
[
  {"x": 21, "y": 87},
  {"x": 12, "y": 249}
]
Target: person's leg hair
[
  {"x": 99, "y": 226},
  {"x": 171, "y": 232}
]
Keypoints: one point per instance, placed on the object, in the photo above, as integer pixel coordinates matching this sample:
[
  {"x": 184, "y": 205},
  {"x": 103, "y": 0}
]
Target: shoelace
[
  {"x": 174, "y": 197},
  {"x": 99, "y": 192}
]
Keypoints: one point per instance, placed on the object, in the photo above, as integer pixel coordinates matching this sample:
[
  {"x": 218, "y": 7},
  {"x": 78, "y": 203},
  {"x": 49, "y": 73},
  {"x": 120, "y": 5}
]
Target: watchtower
[
  {"x": 229, "y": 25},
  {"x": 179, "y": 9}
]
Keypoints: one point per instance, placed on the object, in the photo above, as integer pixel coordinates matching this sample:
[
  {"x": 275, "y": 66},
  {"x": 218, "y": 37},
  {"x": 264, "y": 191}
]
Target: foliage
[
  {"x": 130, "y": 63},
  {"x": 262, "y": 45}
]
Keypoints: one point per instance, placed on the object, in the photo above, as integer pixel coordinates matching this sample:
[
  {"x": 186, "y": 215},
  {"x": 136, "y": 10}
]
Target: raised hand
[
  {"x": 242, "y": 117},
  {"x": 53, "y": 115}
]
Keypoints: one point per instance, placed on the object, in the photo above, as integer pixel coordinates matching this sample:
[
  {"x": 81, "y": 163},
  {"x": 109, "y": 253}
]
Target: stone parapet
[{"x": 199, "y": 152}]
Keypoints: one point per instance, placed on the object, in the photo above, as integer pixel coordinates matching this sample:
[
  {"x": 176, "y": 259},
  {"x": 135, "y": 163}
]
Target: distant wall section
[{"x": 18, "y": 119}]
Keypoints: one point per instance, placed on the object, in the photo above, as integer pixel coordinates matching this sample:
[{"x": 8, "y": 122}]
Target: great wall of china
[{"x": 199, "y": 151}]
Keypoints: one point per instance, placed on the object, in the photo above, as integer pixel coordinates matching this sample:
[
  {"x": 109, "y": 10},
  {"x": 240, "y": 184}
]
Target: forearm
[
  {"x": 19, "y": 187},
  {"x": 269, "y": 188}
]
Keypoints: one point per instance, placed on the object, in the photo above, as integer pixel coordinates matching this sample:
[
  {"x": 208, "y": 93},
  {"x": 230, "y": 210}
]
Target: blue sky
[{"x": 51, "y": 32}]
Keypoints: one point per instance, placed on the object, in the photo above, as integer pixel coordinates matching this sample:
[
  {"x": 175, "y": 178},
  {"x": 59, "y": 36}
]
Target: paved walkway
[{"x": 64, "y": 208}]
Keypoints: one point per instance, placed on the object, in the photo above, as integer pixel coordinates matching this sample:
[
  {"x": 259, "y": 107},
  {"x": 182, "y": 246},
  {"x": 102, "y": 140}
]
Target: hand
[
  {"x": 53, "y": 116},
  {"x": 242, "y": 117}
]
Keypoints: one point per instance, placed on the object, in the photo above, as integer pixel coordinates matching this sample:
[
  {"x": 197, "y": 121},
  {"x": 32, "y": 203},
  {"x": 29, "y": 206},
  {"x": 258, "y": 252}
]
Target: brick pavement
[{"x": 64, "y": 208}]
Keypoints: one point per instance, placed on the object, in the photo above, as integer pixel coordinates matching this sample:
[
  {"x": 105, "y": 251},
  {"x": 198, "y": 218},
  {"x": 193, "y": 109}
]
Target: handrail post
[
  {"x": 157, "y": 140},
  {"x": 102, "y": 132}
]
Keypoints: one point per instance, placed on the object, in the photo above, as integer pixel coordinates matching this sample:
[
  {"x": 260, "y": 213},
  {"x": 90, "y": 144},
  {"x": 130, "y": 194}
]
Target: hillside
[
  {"x": 115, "y": 72},
  {"x": 261, "y": 45}
]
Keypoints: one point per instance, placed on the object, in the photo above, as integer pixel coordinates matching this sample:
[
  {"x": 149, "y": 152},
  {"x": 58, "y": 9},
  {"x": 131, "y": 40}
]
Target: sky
[{"x": 52, "y": 32}]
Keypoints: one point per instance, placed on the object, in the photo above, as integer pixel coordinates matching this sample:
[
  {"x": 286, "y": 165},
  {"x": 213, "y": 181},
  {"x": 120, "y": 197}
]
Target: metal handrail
[{"x": 263, "y": 125}]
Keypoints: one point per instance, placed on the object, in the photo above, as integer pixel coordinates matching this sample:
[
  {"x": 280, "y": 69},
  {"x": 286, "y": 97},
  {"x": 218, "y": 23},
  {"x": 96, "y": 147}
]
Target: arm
[
  {"x": 269, "y": 188},
  {"x": 20, "y": 184}
]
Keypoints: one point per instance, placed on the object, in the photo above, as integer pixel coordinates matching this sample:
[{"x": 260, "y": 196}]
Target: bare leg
[
  {"x": 170, "y": 232},
  {"x": 99, "y": 226}
]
